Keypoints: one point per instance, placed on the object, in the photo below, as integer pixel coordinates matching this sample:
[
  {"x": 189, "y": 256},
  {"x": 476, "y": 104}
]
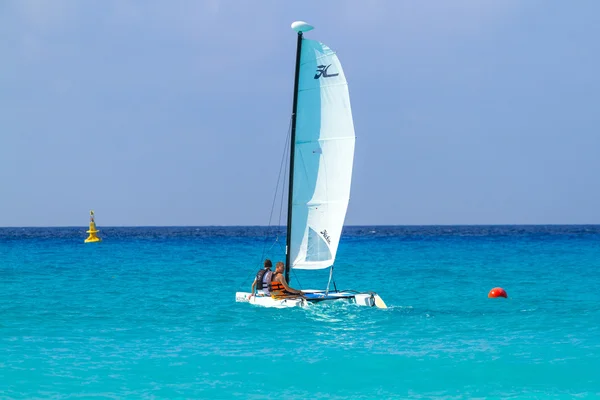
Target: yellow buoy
[{"x": 93, "y": 231}]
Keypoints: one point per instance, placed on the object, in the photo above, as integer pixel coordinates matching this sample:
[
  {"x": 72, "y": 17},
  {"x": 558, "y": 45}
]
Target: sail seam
[
  {"x": 320, "y": 203},
  {"x": 326, "y": 139},
  {"x": 323, "y": 55},
  {"x": 314, "y": 204},
  {"x": 323, "y": 86}
]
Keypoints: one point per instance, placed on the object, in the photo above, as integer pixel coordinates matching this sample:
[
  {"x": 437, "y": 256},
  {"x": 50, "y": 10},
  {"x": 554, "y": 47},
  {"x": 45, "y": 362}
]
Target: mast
[{"x": 292, "y": 150}]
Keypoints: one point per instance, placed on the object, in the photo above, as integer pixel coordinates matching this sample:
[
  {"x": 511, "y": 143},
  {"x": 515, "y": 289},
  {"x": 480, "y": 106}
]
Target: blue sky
[{"x": 176, "y": 113}]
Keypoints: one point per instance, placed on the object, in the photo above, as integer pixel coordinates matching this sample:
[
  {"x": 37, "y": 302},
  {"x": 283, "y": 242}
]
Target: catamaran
[{"x": 320, "y": 173}]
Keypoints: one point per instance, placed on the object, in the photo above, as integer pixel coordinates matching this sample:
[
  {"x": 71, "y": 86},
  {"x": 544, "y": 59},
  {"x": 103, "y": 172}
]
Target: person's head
[
  {"x": 279, "y": 267},
  {"x": 268, "y": 264}
]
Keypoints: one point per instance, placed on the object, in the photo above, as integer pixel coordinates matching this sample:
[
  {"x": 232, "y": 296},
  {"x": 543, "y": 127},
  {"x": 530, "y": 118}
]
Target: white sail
[{"x": 323, "y": 158}]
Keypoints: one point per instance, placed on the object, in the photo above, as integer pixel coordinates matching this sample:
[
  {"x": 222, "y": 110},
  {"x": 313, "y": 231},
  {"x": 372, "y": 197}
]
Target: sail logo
[
  {"x": 326, "y": 236},
  {"x": 322, "y": 72}
]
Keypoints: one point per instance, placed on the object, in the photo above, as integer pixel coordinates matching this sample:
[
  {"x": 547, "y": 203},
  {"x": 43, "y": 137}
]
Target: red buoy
[{"x": 497, "y": 292}]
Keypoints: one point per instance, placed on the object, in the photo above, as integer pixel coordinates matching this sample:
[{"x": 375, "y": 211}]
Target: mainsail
[{"x": 323, "y": 158}]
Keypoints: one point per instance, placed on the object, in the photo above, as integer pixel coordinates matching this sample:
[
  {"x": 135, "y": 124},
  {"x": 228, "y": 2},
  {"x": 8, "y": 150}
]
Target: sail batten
[
  {"x": 323, "y": 158},
  {"x": 307, "y": 90},
  {"x": 316, "y": 203},
  {"x": 325, "y": 140},
  {"x": 319, "y": 57}
]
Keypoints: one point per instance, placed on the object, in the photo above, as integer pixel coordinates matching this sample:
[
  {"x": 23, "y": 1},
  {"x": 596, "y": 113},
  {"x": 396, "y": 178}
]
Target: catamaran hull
[
  {"x": 360, "y": 299},
  {"x": 267, "y": 301}
]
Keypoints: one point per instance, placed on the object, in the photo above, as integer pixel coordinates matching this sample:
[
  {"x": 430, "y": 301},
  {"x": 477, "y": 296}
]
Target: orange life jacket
[{"x": 277, "y": 288}]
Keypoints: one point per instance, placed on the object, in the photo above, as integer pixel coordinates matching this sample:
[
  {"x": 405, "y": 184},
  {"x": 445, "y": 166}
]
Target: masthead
[{"x": 301, "y": 26}]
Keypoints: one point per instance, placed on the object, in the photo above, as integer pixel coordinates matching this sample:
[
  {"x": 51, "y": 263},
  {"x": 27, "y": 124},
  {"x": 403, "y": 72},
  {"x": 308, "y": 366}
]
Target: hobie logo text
[
  {"x": 326, "y": 236},
  {"x": 322, "y": 72}
]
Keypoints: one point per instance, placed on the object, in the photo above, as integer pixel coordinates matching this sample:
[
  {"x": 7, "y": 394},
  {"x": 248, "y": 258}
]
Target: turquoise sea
[{"x": 151, "y": 313}]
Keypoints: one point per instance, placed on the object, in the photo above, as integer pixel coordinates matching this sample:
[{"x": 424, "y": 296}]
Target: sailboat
[{"x": 320, "y": 173}]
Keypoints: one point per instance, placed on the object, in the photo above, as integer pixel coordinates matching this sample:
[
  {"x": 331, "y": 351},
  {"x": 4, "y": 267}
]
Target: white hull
[
  {"x": 268, "y": 301},
  {"x": 313, "y": 296}
]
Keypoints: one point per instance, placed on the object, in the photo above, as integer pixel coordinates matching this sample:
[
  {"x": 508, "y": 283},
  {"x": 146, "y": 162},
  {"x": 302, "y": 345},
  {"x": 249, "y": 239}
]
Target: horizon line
[{"x": 283, "y": 226}]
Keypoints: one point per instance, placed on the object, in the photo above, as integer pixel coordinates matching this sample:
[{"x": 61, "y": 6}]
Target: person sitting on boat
[
  {"x": 279, "y": 287},
  {"x": 262, "y": 280}
]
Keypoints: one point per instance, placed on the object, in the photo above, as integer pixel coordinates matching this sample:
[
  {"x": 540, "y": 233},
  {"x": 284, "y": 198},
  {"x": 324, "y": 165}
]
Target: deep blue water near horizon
[{"x": 151, "y": 313}]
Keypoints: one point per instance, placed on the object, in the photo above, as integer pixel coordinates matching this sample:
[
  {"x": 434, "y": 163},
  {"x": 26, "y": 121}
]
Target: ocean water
[{"x": 151, "y": 313}]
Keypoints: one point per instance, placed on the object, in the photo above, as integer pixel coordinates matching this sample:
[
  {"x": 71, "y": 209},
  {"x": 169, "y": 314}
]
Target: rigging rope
[
  {"x": 297, "y": 280},
  {"x": 283, "y": 168}
]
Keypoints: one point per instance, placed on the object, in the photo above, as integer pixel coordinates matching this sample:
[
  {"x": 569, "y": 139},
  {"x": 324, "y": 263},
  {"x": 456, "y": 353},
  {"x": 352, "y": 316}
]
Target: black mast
[{"x": 292, "y": 149}]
